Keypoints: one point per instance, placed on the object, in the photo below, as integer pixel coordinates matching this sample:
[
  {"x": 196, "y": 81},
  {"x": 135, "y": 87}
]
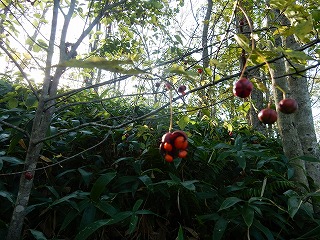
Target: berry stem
[{"x": 171, "y": 111}]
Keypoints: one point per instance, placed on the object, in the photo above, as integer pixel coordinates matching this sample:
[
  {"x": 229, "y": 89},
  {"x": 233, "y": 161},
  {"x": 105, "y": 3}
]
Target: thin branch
[
  {"x": 75, "y": 91},
  {"x": 94, "y": 22},
  {"x": 106, "y": 99},
  {"x": 15, "y": 127},
  {"x": 64, "y": 160},
  {"x": 21, "y": 70}
]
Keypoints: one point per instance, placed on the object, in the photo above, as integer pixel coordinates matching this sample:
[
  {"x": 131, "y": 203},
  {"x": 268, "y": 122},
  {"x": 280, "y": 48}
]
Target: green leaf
[
  {"x": 100, "y": 184},
  {"x": 85, "y": 175},
  {"x": 263, "y": 229},
  {"x": 75, "y": 194},
  {"x": 102, "y": 63},
  {"x": 229, "y": 202},
  {"x": 180, "y": 234},
  {"x": 42, "y": 43},
  {"x": 88, "y": 215},
  {"x": 243, "y": 42},
  {"x": 12, "y": 103},
  {"x": 297, "y": 54},
  {"x": 106, "y": 208},
  {"x": 294, "y": 204},
  {"x": 309, "y": 159},
  {"x": 238, "y": 143},
  {"x": 7, "y": 195},
  {"x": 72, "y": 214},
  {"x": 183, "y": 122},
  {"x": 248, "y": 215},
  {"x": 91, "y": 228},
  {"x": 241, "y": 159},
  {"x": 303, "y": 28},
  {"x": 137, "y": 205},
  {"x": 312, "y": 234},
  {"x": 219, "y": 229},
  {"x": 147, "y": 181},
  {"x": 37, "y": 235},
  {"x": 316, "y": 15},
  {"x": 13, "y": 160},
  {"x": 178, "y": 38},
  {"x": 281, "y": 4},
  {"x": 133, "y": 223},
  {"x": 189, "y": 185}
]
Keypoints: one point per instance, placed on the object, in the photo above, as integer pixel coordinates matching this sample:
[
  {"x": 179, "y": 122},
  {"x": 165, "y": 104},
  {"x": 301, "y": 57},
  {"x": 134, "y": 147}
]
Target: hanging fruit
[{"x": 174, "y": 145}]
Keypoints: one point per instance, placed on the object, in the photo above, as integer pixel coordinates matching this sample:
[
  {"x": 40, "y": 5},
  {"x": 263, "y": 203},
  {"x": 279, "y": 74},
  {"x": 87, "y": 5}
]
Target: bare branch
[
  {"x": 21, "y": 70},
  {"x": 15, "y": 127}
]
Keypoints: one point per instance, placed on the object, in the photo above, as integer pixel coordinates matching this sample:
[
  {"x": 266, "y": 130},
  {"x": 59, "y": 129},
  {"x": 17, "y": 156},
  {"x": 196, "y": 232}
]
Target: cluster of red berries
[
  {"x": 270, "y": 116},
  {"x": 174, "y": 145},
  {"x": 243, "y": 88},
  {"x": 167, "y": 86}
]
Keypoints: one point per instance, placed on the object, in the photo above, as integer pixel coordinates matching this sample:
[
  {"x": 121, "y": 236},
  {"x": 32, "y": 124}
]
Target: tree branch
[
  {"x": 15, "y": 127},
  {"x": 21, "y": 70}
]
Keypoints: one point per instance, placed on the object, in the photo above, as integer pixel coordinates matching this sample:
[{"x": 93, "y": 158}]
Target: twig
[
  {"x": 64, "y": 160},
  {"x": 15, "y": 127},
  {"x": 21, "y": 70}
]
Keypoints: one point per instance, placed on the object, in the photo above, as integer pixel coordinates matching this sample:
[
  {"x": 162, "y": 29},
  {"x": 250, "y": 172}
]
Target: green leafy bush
[{"x": 111, "y": 182}]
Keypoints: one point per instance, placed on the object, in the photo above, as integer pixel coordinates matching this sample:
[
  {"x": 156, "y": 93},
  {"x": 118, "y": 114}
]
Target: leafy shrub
[{"x": 112, "y": 183}]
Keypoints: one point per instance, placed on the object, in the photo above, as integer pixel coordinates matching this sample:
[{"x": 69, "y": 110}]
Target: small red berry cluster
[
  {"x": 243, "y": 88},
  {"x": 174, "y": 145}
]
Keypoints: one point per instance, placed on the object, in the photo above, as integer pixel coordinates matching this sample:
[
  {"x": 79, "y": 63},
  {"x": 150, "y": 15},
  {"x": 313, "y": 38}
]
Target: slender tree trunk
[
  {"x": 40, "y": 125},
  {"x": 205, "y": 52},
  {"x": 286, "y": 122},
  {"x": 304, "y": 122}
]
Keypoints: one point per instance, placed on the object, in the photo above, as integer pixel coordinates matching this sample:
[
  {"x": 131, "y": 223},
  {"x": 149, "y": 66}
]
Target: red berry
[
  {"x": 168, "y": 158},
  {"x": 179, "y": 142},
  {"x": 268, "y": 116},
  {"x": 167, "y": 86},
  {"x": 28, "y": 175},
  {"x": 182, "y": 88},
  {"x": 242, "y": 88},
  {"x": 182, "y": 154},
  {"x": 288, "y": 105},
  {"x": 179, "y": 133},
  {"x": 200, "y": 70},
  {"x": 167, "y": 146}
]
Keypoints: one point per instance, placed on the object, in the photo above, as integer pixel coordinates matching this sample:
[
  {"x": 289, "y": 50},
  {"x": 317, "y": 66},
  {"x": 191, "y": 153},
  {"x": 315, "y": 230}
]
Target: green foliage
[{"x": 229, "y": 185}]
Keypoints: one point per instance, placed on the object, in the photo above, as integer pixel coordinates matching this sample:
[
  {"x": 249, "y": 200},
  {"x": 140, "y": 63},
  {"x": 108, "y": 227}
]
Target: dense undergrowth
[{"x": 231, "y": 185}]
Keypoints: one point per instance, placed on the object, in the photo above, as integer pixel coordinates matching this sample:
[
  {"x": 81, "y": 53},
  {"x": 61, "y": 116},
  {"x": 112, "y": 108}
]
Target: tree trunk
[
  {"x": 40, "y": 125},
  {"x": 286, "y": 122},
  {"x": 304, "y": 121},
  {"x": 205, "y": 51}
]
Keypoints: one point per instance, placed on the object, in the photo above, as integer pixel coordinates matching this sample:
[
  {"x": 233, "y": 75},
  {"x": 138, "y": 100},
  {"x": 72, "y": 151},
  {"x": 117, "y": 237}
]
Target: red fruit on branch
[
  {"x": 167, "y": 86},
  {"x": 168, "y": 157},
  {"x": 242, "y": 88},
  {"x": 182, "y": 154},
  {"x": 268, "y": 116},
  {"x": 174, "y": 145},
  {"x": 200, "y": 70},
  {"x": 28, "y": 175},
  {"x": 288, "y": 105},
  {"x": 182, "y": 88},
  {"x": 167, "y": 146}
]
